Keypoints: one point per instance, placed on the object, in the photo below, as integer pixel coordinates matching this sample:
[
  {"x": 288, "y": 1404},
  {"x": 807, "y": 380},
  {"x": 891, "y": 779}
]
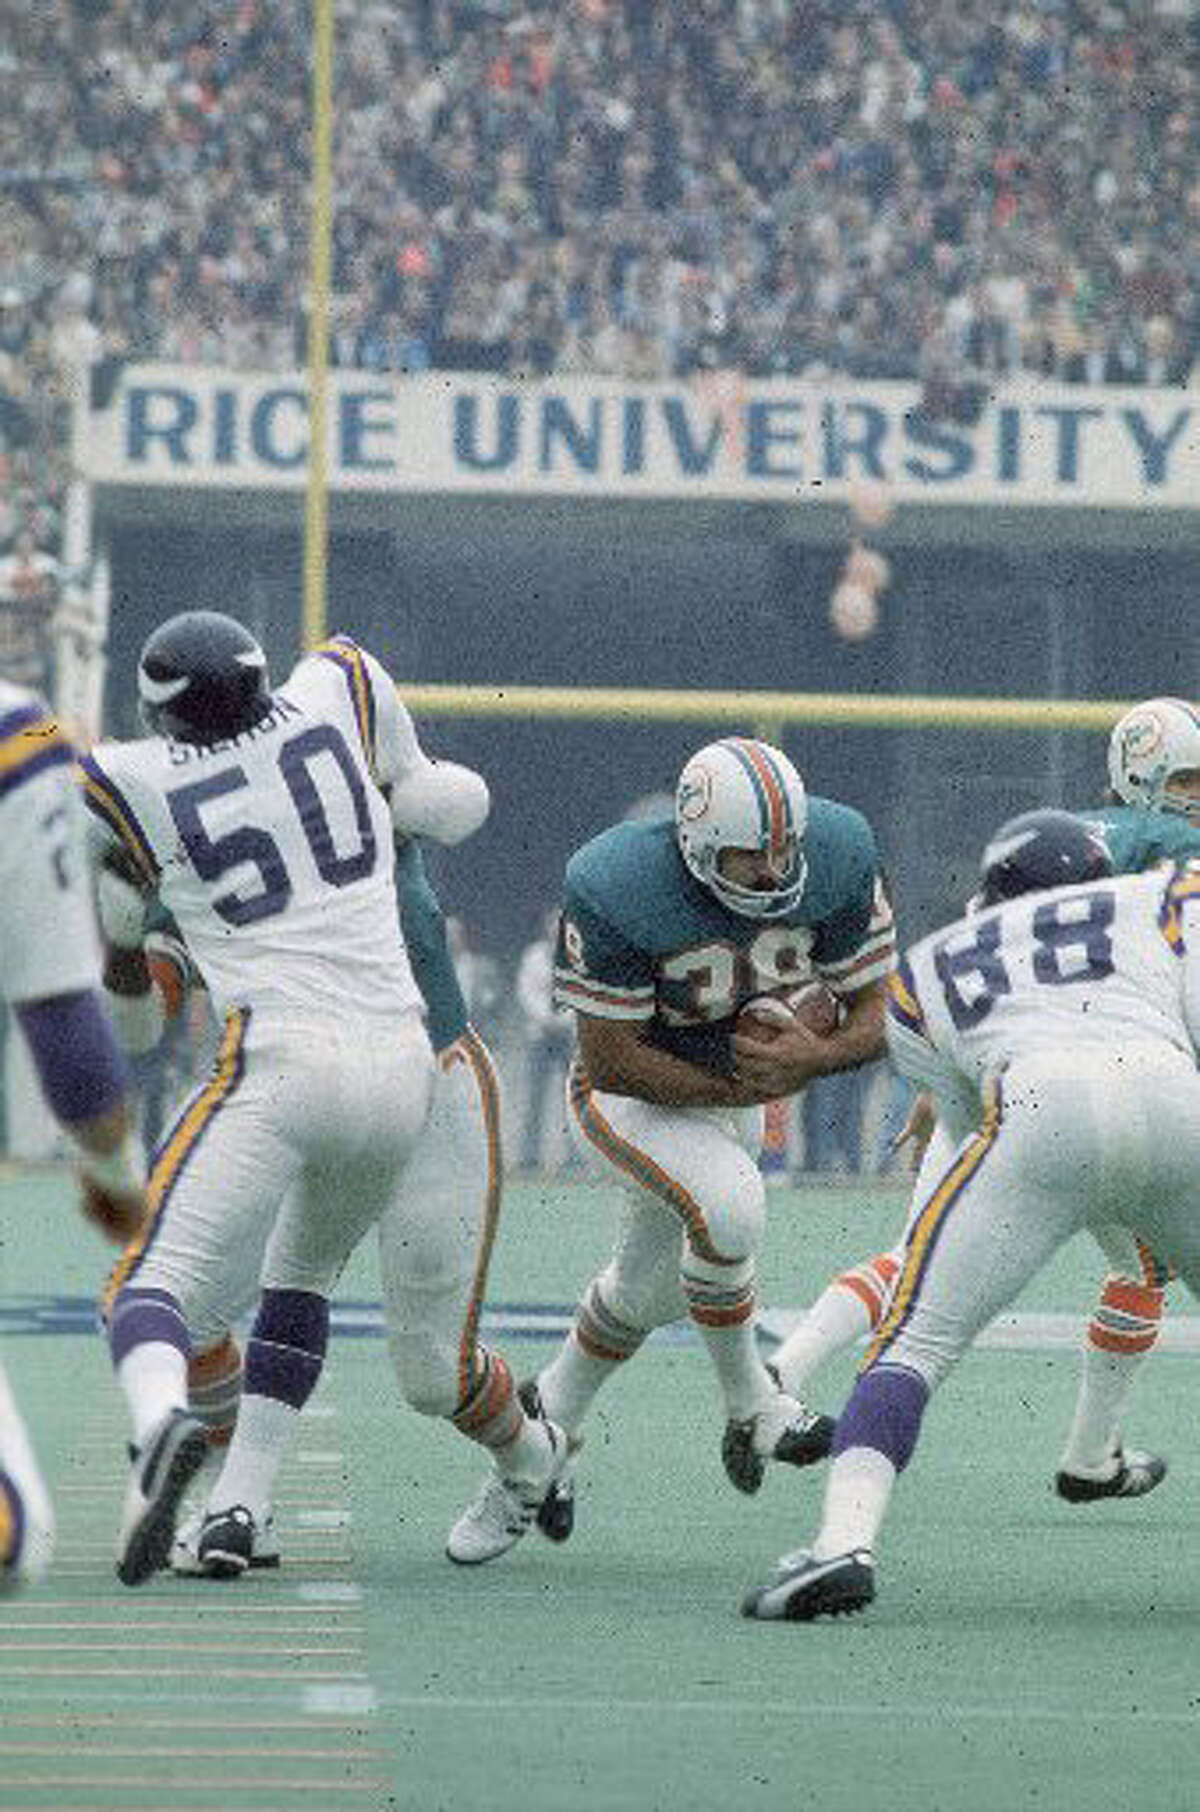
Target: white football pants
[
  {"x": 1069, "y": 1139},
  {"x": 279, "y": 1163},
  {"x": 685, "y": 1175}
]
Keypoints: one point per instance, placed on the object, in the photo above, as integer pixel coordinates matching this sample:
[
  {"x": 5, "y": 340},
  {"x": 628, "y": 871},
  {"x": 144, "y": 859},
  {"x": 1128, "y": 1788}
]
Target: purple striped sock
[
  {"x": 286, "y": 1350},
  {"x": 884, "y": 1412}
]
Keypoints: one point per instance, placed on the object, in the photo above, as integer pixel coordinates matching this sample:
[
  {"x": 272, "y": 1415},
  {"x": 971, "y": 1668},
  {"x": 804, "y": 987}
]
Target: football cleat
[
  {"x": 161, "y": 1470},
  {"x": 184, "y": 1558},
  {"x": 1135, "y": 1475},
  {"x": 505, "y": 1510},
  {"x": 786, "y": 1430},
  {"x": 804, "y": 1588},
  {"x": 225, "y": 1548},
  {"x": 556, "y": 1512}
]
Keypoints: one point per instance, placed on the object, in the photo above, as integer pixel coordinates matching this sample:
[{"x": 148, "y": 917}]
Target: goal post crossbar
[{"x": 756, "y": 708}]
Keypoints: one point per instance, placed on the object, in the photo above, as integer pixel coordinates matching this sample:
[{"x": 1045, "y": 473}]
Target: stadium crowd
[{"x": 936, "y": 189}]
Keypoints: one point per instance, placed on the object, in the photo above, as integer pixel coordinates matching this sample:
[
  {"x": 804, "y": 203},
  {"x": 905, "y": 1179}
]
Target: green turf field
[{"x": 1021, "y": 1655}]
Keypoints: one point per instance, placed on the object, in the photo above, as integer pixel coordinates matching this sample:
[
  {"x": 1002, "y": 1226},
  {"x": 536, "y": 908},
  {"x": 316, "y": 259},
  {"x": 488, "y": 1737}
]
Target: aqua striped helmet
[
  {"x": 1149, "y": 745},
  {"x": 743, "y": 794}
]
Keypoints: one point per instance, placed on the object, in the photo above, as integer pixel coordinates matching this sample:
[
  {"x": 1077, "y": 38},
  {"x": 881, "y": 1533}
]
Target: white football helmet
[
  {"x": 742, "y": 794},
  {"x": 1150, "y": 744}
]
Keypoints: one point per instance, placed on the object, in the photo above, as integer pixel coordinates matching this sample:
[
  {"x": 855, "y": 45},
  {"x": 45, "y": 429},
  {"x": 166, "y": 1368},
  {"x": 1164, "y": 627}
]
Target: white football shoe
[
  {"x": 804, "y": 1589},
  {"x": 161, "y": 1470},
  {"x": 506, "y": 1509},
  {"x": 185, "y": 1560}
]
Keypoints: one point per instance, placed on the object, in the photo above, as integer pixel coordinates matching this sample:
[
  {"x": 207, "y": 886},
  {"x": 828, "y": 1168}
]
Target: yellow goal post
[{"x": 766, "y": 712}]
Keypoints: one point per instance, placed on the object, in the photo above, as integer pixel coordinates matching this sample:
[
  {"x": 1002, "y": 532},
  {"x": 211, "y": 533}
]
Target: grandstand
[{"x": 653, "y": 332}]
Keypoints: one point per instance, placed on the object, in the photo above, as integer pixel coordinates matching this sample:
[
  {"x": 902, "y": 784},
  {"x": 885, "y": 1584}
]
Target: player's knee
[
  {"x": 426, "y": 1373},
  {"x": 930, "y": 1355},
  {"x": 733, "y": 1220},
  {"x": 634, "y": 1300}
]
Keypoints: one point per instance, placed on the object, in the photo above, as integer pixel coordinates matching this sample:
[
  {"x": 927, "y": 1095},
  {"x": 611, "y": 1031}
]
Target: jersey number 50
[{"x": 212, "y": 857}]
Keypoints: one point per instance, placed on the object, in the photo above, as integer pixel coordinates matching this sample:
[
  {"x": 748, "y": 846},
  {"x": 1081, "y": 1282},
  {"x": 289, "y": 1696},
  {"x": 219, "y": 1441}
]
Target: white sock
[
  {"x": 528, "y": 1459},
  {"x": 745, "y": 1382},
  {"x": 857, "y": 1493},
  {"x": 836, "y": 1319},
  {"x": 1104, "y": 1383},
  {"x": 264, "y": 1432},
  {"x": 571, "y": 1381},
  {"x": 153, "y": 1377}
]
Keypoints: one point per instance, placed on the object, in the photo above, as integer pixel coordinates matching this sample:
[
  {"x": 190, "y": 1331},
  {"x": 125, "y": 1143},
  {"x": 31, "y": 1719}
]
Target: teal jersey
[
  {"x": 1138, "y": 839},
  {"x": 641, "y": 939},
  {"x": 424, "y": 930}
]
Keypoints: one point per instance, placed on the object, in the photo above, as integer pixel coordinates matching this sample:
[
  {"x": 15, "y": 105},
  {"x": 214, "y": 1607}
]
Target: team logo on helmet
[
  {"x": 695, "y": 794},
  {"x": 1142, "y": 735}
]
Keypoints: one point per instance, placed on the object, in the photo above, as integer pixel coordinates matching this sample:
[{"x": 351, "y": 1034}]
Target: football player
[
  {"x": 1153, "y": 815},
  {"x": 455, "y": 1173},
  {"x": 669, "y": 927},
  {"x": 1068, "y": 1007},
  {"x": 264, "y": 822},
  {"x": 50, "y": 977}
]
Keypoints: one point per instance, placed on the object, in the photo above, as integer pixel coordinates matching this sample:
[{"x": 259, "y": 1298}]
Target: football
[
  {"x": 765, "y": 1015},
  {"x": 816, "y": 1006}
]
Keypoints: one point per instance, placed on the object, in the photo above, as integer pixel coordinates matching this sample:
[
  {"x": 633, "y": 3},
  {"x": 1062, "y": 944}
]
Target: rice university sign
[{"x": 722, "y": 438}]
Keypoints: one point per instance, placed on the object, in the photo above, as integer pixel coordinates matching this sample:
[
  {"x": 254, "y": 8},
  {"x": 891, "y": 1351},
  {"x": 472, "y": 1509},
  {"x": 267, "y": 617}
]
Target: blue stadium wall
[{"x": 556, "y": 595}]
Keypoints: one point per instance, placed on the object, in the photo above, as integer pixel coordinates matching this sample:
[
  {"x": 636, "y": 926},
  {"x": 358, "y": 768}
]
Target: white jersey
[
  {"x": 48, "y": 940},
  {"x": 273, "y": 850},
  {"x": 1082, "y": 971}
]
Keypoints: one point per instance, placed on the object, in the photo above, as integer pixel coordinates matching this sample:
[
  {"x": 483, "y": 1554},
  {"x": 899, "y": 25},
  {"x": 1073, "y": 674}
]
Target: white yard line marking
[
  {"x": 326, "y": 1651},
  {"x": 79, "y": 1752},
  {"x": 109, "y": 1720},
  {"x": 184, "y": 1682},
  {"x": 336, "y": 1785},
  {"x": 329, "y": 1592},
  {"x": 357, "y": 1700},
  {"x": 171, "y": 1626},
  {"x": 213, "y": 1604}
]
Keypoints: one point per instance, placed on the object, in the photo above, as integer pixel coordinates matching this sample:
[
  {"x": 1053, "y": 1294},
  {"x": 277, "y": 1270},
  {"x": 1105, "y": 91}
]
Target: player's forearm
[
  {"x": 135, "y": 1003},
  {"x": 622, "y": 1064},
  {"x": 79, "y": 1065}
]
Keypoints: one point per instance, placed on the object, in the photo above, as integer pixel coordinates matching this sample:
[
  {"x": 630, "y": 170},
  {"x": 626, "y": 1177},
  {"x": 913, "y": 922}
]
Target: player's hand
[
  {"x": 781, "y": 1063},
  {"x": 917, "y": 1129},
  {"x": 117, "y": 1213}
]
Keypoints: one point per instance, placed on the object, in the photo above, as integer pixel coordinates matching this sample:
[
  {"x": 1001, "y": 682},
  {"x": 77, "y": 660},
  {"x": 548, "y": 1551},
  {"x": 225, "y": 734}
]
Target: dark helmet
[
  {"x": 1038, "y": 850},
  {"x": 202, "y": 677}
]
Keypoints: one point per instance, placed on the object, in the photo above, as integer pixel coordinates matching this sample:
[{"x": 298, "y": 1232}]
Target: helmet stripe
[{"x": 774, "y": 800}]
